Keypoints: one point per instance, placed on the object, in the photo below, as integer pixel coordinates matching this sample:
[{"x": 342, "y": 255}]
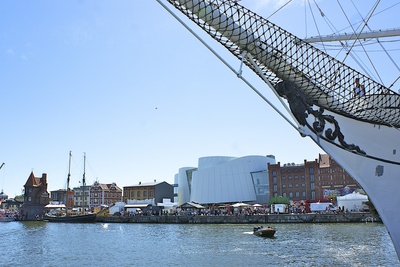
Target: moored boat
[
  {"x": 264, "y": 231},
  {"x": 79, "y": 218},
  {"x": 6, "y": 218},
  {"x": 59, "y": 212}
]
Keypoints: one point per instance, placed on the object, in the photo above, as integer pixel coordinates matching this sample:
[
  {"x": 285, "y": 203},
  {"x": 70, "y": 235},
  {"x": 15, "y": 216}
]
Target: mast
[
  {"x": 68, "y": 180},
  {"x": 2, "y": 192},
  {"x": 69, "y": 171},
  {"x": 84, "y": 182}
]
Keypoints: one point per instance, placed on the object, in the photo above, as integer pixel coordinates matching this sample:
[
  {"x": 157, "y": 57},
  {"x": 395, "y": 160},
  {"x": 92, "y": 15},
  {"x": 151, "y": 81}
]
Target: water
[{"x": 117, "y": 244}]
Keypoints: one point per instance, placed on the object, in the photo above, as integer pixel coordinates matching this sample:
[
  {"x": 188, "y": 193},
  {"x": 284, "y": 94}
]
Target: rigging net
[{"x": 282, "y": 56}]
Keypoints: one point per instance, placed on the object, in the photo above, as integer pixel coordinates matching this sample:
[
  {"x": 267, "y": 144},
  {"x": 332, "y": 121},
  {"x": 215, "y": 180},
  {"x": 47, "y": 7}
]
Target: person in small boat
[{"x": 359, "y": 89}]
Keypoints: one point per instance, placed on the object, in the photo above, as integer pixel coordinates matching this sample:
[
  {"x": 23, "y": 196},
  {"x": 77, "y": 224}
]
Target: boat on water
[
  {"x": 5, "y": 217},
  {"x": 356, "y": 124},
  {"x": 264, "y": 231},
  {"x": 78, "y": 218},
  {"x": 60, "y": 213}
]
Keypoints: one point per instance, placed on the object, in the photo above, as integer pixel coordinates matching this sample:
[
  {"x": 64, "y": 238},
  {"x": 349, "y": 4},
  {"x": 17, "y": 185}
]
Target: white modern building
[{"x": 222, "y": 179}]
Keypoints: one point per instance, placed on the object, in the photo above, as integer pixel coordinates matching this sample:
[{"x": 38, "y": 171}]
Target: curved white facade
[
  {"x": 222, "y": 179},
  {"x": 184, "y": 182}
]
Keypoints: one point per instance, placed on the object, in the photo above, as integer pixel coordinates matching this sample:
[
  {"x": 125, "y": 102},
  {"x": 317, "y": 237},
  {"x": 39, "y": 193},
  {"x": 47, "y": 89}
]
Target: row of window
[
  {"x": 106, "y": 195},
  {"x": 275, "y": 180},
  {"x": 142, "y": 193},
  {"x": 296, "y": 194},
  {"x": 275, "y": 188},
  {"x": 311, "y": 170},
  {"x": 106, "y": 202}
]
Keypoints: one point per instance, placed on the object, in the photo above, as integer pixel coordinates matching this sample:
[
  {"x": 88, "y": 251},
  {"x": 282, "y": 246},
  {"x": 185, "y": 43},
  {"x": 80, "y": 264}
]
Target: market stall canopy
[
  {"x": 240, "y": 204},
  {"x": 191, "y": 205},
  {"x": 136, "y": 206},
  {"x": 55, "y": 206},
  {"x": 353, "y": 196},
  {"x": 352, "y": 202}
]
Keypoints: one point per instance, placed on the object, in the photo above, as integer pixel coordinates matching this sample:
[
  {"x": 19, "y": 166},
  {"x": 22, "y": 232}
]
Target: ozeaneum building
[{"x": 220, "y": 179}]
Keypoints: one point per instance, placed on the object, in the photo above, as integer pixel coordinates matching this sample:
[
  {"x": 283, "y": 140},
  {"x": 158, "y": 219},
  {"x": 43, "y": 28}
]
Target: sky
[{"x": 125, "y": 83}]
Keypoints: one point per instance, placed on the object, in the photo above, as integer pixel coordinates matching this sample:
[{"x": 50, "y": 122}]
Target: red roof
[{"x": 34, "y": 181}]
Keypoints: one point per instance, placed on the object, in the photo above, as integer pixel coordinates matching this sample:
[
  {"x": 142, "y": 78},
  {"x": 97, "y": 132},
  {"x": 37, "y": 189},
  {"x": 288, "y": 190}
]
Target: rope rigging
[
  {"x": 277, "y": 56},
  {"x": 358, "y": 42}
]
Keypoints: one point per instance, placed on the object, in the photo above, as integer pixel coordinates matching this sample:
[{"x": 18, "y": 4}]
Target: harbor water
[{"x": 133, "y": 244}]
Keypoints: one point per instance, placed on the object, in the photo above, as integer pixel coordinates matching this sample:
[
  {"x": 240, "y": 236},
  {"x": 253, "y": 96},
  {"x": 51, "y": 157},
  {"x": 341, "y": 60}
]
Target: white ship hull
[{"x": 378, "y": 172}]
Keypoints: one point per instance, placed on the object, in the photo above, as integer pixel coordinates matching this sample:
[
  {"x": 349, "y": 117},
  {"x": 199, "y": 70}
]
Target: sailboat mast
[
  {"x": 69, "y": 171},
  {"x": 68, "y": 204},
  {"x": 83, "y": 182}
]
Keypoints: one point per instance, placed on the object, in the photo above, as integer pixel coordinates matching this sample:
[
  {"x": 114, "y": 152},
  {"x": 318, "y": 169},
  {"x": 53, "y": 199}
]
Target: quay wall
[{"x": 356, "y": 217}]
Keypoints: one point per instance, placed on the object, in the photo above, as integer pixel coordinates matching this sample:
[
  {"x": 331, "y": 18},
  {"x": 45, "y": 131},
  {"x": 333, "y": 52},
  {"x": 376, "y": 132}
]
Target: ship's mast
[
  {"x": 1, "y": 166},
  {"x": 68, "y": 181},
  {"x": 69, "y": 171},
  {"x": 83, "y": 182}
]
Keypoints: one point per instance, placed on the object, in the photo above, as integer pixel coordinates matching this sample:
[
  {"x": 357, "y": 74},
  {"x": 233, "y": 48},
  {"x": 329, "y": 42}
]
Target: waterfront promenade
[{"x": 352, "y": 217}]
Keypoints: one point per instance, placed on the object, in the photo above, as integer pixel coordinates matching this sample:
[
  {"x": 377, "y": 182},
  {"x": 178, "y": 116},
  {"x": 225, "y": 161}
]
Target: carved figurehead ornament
[{"x": 301, "y": 107}]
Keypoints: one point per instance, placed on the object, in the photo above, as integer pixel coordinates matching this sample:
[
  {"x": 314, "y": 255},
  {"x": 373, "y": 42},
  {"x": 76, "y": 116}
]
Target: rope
[{"x": 281, "y": 56}]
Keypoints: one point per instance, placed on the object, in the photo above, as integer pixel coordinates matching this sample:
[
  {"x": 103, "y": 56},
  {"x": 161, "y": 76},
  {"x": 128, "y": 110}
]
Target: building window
[
  {"x": 283, "y": 178},
  {"x": 296, "y": 185},
  {"x": 151, "y": 194},
  {"x": 312, "y": 186},
  {"x": 132, "y": 194},
  {"x": 283, "y": 186},
  {"x": 275, "y": 188},
  {"x": 311, "y": 177},
  {"x": 297, "y": 194},
  {"x": 284, "y": 194},
  {"x": 303, "y": 194},
  {"x": 290, "y": 185},
  {"x": 138, "y": 193},
  {"x": 273, "y": 180},
  {"x": 290, "y": 195},
  {"x": 144, "y": 193},
  {"x": 311, "y": 170},
  {"x": 296, "y": 177},
  {"x": 274, "y": 173}
]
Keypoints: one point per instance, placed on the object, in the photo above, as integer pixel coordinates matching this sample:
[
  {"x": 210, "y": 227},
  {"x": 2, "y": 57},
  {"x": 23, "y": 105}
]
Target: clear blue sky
[{"x": 124, "y": 82}]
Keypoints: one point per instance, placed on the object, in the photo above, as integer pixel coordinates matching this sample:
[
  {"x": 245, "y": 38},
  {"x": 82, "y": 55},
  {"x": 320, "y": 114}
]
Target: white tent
[
  {"x": 240, "y": 204},
  {"x": 352, "y": 202}
]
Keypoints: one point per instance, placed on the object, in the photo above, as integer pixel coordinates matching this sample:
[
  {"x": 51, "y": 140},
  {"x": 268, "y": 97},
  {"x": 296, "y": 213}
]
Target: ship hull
[
  {"x": 84, "y": 218},
  {"x": 375, "y": 164}
]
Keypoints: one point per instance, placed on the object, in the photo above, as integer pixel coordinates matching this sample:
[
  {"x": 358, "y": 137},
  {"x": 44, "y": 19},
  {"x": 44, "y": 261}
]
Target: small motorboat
[{"x": 264, "y": 231}]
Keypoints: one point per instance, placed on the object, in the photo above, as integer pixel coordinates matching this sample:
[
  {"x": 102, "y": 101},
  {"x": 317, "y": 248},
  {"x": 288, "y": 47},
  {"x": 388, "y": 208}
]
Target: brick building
[
  {"x": 104, "y": 194},
  {"x": 63, "y": 196},
  {"x": 311, "y": 180},
  {"x": 36, "y": 197}
]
